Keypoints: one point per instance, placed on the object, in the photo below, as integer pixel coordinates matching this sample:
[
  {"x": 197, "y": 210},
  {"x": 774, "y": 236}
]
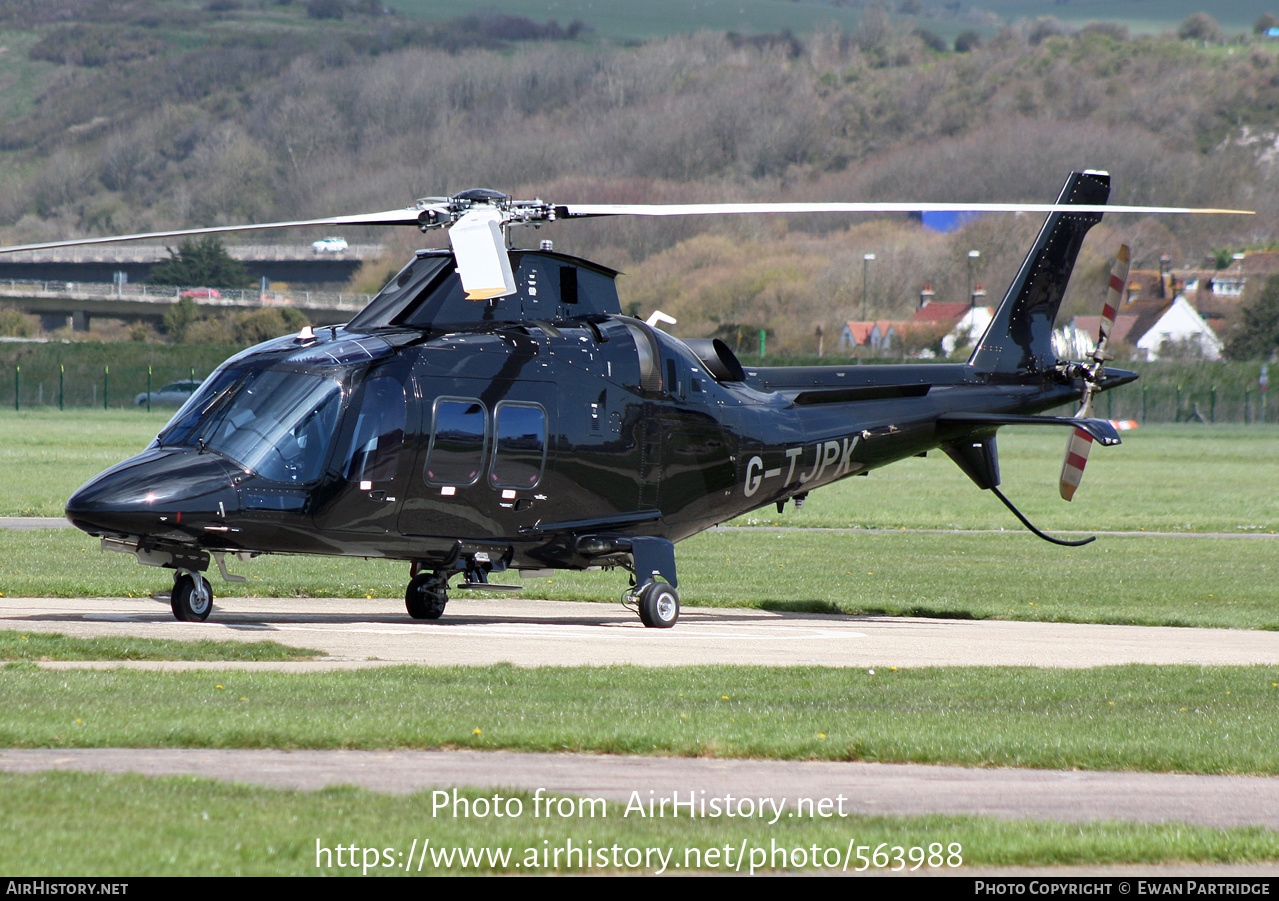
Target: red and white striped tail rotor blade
[
  {"x": 1072, "y": 468},
  {"x": 1114, "y": 295},
  {"x": 1080, "y": 443},
  {"x": 1077, "y": 448}
]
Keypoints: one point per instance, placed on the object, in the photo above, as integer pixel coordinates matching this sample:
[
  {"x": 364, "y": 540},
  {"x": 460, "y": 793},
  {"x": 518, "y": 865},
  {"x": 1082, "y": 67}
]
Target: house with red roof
[
  {"x": 947, "y": 325},
  {"x": 960, "y": 324},
  {"x": 878, "y": 336}
]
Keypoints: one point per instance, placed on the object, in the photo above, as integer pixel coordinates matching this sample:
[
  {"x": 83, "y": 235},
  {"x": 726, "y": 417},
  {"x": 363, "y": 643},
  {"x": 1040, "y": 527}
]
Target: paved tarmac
[
  {"x": 27, "y": 523},
  {"x": 356, "y": 632}
]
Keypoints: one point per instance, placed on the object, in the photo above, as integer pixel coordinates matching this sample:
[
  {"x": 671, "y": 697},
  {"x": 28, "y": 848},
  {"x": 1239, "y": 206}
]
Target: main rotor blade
[
  {"x": 408, "y": 216},
  {"x": 583, "y": 210},
  {"x": 411, "y": 215}
]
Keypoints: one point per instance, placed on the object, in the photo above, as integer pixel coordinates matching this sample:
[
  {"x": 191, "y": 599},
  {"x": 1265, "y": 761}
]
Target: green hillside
[
  {"x": 149, "y": 115},
  {"x": 662, "y": 18}
]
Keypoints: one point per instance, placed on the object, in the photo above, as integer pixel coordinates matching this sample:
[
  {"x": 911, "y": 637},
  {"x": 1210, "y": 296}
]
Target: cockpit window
[
  {"x": 276, "y": 424},
  {"x": 214, "y": 386}
]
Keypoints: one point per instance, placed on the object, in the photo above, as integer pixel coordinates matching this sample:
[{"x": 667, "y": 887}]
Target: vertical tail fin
[{"x": 1019, "y": 338}]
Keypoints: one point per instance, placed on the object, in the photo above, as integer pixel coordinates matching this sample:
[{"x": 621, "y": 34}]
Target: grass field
[
  {"x": 204, "y": 828},
  {"x": 15, "y": 645},
  {"x": 46, "y": 454},
  {"x": 1166, "y": 478},
  {"x": 1185, "y": 719},
  {"x": 629, "y": 21}
]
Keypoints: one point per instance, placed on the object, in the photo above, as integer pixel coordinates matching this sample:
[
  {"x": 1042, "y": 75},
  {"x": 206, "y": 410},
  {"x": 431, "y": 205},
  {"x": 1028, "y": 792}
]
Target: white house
[
  {"x": 1148, "y": 326},
  {"x": 963, "y": 324},
  {"x": 968, "y": 330},
  {"x": 1180, "y": 324}
]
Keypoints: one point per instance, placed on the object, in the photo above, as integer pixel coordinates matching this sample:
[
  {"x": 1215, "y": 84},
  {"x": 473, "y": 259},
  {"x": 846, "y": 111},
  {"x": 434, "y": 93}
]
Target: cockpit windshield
[{"x": 277, "y": 424}]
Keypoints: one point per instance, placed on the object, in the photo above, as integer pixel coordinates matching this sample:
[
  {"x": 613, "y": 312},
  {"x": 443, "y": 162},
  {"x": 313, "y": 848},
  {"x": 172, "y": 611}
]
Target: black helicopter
[{"x": 492, "y": 409}]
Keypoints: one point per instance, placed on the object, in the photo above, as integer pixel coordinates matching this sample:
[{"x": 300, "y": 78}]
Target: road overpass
[
  {"x": 292, "y": 263},
  {"x": 77, "y": 303}
]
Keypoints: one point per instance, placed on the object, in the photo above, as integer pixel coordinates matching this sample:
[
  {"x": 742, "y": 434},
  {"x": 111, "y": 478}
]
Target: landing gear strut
[
  {"x": 427, "y": 595},
  {"x": 658, "y": 602},
  {"x": 192, "y": 597}
]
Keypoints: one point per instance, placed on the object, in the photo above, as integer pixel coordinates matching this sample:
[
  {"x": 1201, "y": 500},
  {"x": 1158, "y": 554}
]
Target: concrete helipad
[{"x": 538, "y": 633}]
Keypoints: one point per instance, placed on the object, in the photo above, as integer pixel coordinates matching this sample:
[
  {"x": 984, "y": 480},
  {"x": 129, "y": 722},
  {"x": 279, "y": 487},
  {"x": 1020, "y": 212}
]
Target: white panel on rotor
[{"x": 481, "y": 255}]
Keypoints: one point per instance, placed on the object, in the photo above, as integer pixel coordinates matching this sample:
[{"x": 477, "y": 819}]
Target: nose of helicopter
[{"x": 160, "y": 493}]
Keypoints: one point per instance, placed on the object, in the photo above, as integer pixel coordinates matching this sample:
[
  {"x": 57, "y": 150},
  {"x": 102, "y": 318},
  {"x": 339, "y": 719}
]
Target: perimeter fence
[
  {"x": 88, "y": 374},
  {"x": 1177, "y": 403}
]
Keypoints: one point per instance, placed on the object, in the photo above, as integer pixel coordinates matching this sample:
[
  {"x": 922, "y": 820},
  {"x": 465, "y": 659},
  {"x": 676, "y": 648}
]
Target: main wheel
[
  {"x": 192, "y": 598},
  {"x": 658, "y": 605},
  {"x": 426, "y": 596}
]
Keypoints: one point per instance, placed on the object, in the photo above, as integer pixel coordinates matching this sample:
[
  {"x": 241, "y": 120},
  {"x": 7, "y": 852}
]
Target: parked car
[
  {"x": 329, "y": 245},
  {"x": 201, "y": 293},
  {"x": 173, "y": 394}
]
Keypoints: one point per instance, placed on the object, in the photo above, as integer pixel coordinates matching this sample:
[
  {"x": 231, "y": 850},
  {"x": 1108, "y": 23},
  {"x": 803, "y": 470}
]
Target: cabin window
[
  {"x": 458, "y": 437},
  {"x": 519, "y": 450},
  {"x": 379, "y": 433}
]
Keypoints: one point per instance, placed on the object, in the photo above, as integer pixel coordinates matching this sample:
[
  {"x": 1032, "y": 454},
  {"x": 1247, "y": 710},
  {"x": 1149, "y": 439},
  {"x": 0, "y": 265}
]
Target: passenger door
[{"x": 372, "y": 463}]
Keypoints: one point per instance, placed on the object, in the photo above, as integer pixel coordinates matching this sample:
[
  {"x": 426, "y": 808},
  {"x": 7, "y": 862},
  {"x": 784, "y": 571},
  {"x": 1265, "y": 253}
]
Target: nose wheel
[
  {"x": 192, "y": 597},
  {"x": 427, "y": 595}
]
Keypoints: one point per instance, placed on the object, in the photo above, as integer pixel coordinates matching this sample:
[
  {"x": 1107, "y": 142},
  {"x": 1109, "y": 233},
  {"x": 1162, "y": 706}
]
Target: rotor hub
[
  {"x": 481, "y": 195},
  {"x": 445, "y": 211}
]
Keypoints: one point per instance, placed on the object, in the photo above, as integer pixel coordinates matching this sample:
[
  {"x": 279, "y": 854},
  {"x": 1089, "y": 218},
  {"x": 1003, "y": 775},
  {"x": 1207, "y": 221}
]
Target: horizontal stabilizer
[{"x": 1100, "y": 429}]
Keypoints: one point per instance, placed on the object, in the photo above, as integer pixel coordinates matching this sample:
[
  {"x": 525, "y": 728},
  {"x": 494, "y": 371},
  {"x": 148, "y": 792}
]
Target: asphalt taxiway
[{"x": 358, "y": 632}]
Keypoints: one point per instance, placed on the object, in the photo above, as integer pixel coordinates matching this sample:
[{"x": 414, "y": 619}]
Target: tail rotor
[{"x": 1093, "y": 374}]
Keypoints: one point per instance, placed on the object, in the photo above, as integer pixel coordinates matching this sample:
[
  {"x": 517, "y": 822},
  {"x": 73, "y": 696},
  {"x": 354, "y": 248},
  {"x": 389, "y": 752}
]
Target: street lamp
[
  {"x": 866, "y": 260},
  {"x": 972, "y": 255}
]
